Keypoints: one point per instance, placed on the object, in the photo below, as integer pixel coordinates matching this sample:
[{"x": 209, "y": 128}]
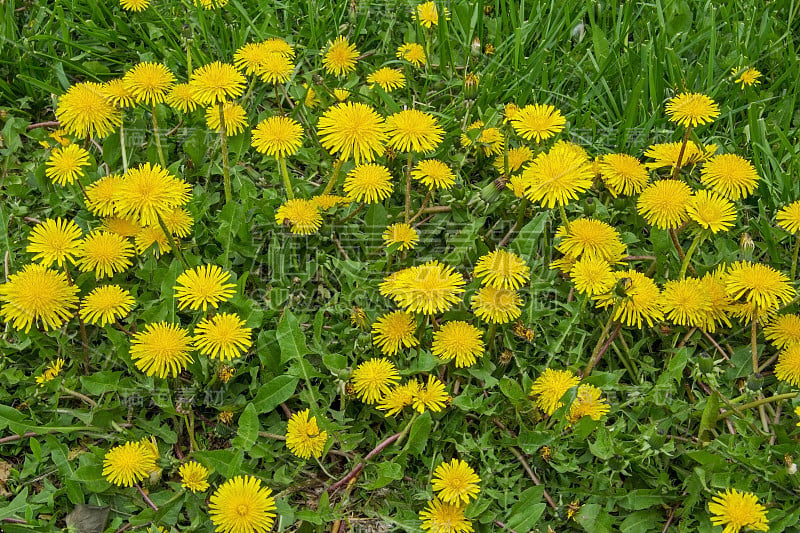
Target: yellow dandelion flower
[
  {"x": 341, "y": 94},
  {"x": 558, "y": 176},
  {"x": 414, "y": 53},
  {"x": 194, "y": 476},
  {"x": 250, "y": 57},
  {"x": 730, "y": 175},
  {"x": 789, "y": 217},
  {"x": 455, "y": 482},
  {"x": 216, "y": 82},
  {"x": 226, "y": 417},
  {"x": 150, "y": 235},
  {"x": 234, "y": 115},
  {"x": 368, "y": 183},
  {"x": 65, "y": 165},
  {"x": 490, "y": 140},
  {"x": 398, "y": 398},
  {"x": 210, "y": 4},
  {"x": 517, "y": 185},
  {"x": 412, "y": 130},
  {"x": 37, "y": 294},
  {"x": 102, "y": 194},
  {"x": 162, "y": 349},
  {"x": 510, "y": 111},
  {"x": 225, "y": 373},
  {"x": 181, "y": 97},
  {"x": 502, "y": 269},
  {"x": 538, "y": 122},
  {"x": 106, "y": 304},
  {"x": 178, "y": 222},
  {"x": 303, "y": 437},
  {"x": 277, "y": 136},
  {"x": 222, "y": 336},
  {"x": 394, "y": 331},
  {"x": 203, "y": 286},
  {"x": 311, "y": 99},
  {"x": 134, "y": 5},
  {"x": 641, "y": 301},
  {"x": 737, "y": 510},
  {"x": 117, "y": 93},
  {"x": 427, "y": 14},
  {"x": 588, "y": 402},
  {"x": 592, "y": 275},
  {"x": 433, "y": 174},
  {"x": 51, "y": 372},
  {"x": 242, "y": 505},
  {"x": 440, "y": 517},
  {"x": 460, "y": 341},
  {"x": 104, "y": 253},
  {"x": 85, "y": 111},
  {"x": 663, "y": 203},
  {"x": 128, "y": 464},
  {"x": 692, "y": 109},
  {"x": 758, "y": 284},
  {"x": 564, "y": 264},
  {"x": 684, "y": 302},
  {"x": 388, "y": 78},
  {"x": 747, "y": 76},
  {"x": 328, "y": 201},
  {"x": 55, "y": 241},
  {"x": 590, "y": 238},
  {"x": 783, "y": 330},
  {"x": 550, "y": 387},
  {"x": 430, "y": 288},
  {"x": 149, "y": 192},
  {"x": 341, "y": 57},
  {"x": 302, "y": 215},
  {"x": 498, "y": 306},
  {"x": 402, "y": 234},
  {"x": 713, "y": 286},
  {"x": 623, "y": 174},
  {"x": 352, "y": 130},
  {"x": 276, "y": 68},
  {"x": 711, "y": 211},
  {"x": 666, "y": 154},
  {"x": 517, "y": 157},
  {"x": 149, "y": 83},
  {"x": 433, "y": 396},
  {"x": 372, "y": 379},
  {"x": 121, "y": 226}
]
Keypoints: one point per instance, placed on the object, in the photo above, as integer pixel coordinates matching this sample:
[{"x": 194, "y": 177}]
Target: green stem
[
  {"x": 122, "y": 149},
  {"x": 754, "y": 341},
  {"x": 286, "y": 181},
  {"x": 685, "y": 263},
  {"x": 158, "y": 138},
  {"x": 226, "y": 171},
  {"x": 759, "y": 402},
  {"x": 677, "y": 168},
  {"x": 491, "y": 334},
  {"x": 190, "y": 430},
  {"x": 794, "y": 259},
  {"x": 600, "y": 340},
  {"x": 337, "y": 167},
  {"x": 564, "y": 217},
  {"x": 407, "y": 212},
  {"x": 172, "y": 243},
  {"x": 505, "y": 151}
]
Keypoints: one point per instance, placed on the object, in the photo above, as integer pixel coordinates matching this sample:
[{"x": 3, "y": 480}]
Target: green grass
[{"x": 660, "y": 454}]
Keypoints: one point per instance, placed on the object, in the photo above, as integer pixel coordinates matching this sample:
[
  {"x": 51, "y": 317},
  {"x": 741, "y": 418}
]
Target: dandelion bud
[
  {"x": 475, "y": 49},
  {"x": 488, "y": 49},
  {"x": 746, "y": 243},
  {"x": 471, "y": 85}
]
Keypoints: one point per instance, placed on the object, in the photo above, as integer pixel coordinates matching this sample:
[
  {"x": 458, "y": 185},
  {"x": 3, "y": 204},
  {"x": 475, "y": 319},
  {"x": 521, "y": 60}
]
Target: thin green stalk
[
  {"x": 600, "y": 340},
  {"x": 172, "y": 243},
  {"x": 692, "y": 247},
  {"x": 337, "y": 167},
  {"x": 407, "y": 212},
  {"x": 677, "y": 168},
  {"x": 564, "y": 217},
  {"x": 758, "y": 403},
  {"x": 491, "y": 334},
  {"x": 754, "y": 341},
  {"x": 157, "y": 135},
  {"x": 226, "y": 171},
  {"x": 122, "y": 148},
  {"x": 190, "y": 430},
  {"x": 794, "y": 259},
  {"x": 286, "y": 181}
]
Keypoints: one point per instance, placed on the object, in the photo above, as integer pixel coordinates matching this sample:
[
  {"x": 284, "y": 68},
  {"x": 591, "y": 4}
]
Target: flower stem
[
  {"x": 158, "y": 138},
  {"x": 697, "y": 240},
  {"x": 172, "y": 243},
  {"x": 759, "y": 403},
  {"x": 286, "y": 181},
  {"x": 794, "y": 259},
  {"x": 337, "y": 167},
  {"x": 226, "y": 171},
  {"x": 677, "y": 168},
  {"x": 564, "y": 217},
  {"x": 122, "y": 148},
  {"x": 595, "y": 358},
  {"x": 754, "y": 341},
  {"x": 490, "y": 335},
  {"x": 190, "y": 430},
  {"x": 408, "y": 187},
  {"x": 146, "y": 498}
]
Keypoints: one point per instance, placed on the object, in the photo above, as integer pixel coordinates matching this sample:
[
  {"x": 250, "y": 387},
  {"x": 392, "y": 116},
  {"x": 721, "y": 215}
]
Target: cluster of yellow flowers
[{"x": 455, "y": 483}]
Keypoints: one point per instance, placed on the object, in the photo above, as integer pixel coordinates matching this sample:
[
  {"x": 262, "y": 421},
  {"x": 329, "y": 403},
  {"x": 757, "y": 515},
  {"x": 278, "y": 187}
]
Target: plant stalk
[{"x": 226, "y": 171}]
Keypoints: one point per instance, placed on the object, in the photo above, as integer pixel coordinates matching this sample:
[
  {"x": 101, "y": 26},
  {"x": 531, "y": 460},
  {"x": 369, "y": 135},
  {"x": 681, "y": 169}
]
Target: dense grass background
[{"x": 609, "y": 67}]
